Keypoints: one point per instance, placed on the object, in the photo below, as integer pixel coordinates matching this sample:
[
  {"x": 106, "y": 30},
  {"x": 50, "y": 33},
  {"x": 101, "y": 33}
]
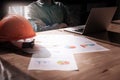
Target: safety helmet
[{"x": 14, "y": 28}]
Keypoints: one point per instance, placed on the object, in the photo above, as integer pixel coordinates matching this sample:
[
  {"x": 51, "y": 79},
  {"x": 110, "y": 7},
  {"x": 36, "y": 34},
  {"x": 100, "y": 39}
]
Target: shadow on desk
[
  {"x": 108, "y": 37},
  {"x": 7, "y": 47}
]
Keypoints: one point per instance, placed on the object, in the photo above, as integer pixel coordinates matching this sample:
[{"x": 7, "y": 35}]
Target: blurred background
[{"x": 79, "y": 9}]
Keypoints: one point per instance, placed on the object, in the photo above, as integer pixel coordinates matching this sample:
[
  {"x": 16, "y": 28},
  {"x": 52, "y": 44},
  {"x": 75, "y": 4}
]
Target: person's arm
[
  {"x": 54, "y": 26},
  {"x": 39, "y": 25},
  {"x": 33, "y": 16}
]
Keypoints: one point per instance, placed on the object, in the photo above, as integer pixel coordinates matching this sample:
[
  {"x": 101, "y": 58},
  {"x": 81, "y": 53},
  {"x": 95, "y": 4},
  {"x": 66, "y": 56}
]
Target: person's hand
[
  {"x": 39, "y": 22},
  {"x": 62, "y": 25},
  {"x": 58, "y": 26}
]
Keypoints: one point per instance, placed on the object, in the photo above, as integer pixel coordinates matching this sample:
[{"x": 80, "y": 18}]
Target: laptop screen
[{"x": 99, "y": 19}]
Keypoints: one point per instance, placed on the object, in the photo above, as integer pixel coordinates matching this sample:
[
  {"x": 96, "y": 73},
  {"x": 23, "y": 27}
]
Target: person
[{"x": 48, "y": 14}]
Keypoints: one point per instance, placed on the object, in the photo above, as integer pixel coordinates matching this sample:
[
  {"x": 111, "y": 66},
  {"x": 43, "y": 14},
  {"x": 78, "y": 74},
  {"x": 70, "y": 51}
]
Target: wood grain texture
[{"x": 103, "y": 65}]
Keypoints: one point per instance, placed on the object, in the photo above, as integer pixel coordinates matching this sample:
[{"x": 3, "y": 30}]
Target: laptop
[
  {"x": 98, "y": 21},
  {"x": 96, "y": 26}
]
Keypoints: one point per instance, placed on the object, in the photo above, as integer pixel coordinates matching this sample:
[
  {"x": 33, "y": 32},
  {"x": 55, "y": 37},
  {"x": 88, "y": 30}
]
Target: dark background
[{"x": 79, "y": 9}]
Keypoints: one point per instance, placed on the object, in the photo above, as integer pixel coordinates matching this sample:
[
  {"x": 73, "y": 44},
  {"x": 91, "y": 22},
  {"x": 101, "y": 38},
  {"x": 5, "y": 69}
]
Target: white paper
[
  {"x": 69, "y": 44},
  {"x": 55, "y": 52},
  {"x": 61, "y": 39},
  {"x": 83, "y": 48},
  {"x": 57, "y": 61}
]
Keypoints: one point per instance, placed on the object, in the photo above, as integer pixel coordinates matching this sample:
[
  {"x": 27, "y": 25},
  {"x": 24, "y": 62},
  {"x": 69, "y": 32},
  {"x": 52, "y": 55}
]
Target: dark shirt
[{"x": 49, "y": 14}]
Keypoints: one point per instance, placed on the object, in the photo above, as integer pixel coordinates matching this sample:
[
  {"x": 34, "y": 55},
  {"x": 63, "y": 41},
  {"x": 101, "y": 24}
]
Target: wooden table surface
[{"x": 103, "y": 65}]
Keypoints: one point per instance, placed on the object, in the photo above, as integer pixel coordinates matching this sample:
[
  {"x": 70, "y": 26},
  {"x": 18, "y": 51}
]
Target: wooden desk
[{"x": 92, "y": 66}]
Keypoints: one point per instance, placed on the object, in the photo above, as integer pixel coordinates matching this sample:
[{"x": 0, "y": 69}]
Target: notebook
[{"x": 98, "y": 21}]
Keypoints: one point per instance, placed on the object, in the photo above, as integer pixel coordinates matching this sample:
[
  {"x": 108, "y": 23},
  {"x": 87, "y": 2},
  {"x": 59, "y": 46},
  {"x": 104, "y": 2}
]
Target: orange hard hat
[{"x": 15, "y": 27}]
